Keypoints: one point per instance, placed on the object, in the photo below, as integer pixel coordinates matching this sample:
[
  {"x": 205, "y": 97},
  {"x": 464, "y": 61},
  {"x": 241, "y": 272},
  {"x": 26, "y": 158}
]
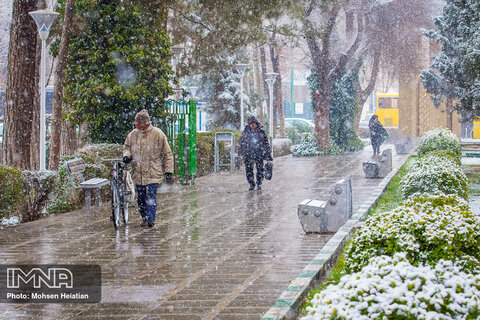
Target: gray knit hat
[{"x": 143, "y": 117}]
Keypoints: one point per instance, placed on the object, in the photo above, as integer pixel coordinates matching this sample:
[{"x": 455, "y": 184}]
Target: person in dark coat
[
  {"x": 377, "y": 134},
  {"x": 254, "y": 148}
]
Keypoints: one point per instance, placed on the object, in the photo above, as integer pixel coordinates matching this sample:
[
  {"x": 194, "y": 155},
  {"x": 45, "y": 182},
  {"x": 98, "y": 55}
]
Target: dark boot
[{"x": 252, "y": 186}]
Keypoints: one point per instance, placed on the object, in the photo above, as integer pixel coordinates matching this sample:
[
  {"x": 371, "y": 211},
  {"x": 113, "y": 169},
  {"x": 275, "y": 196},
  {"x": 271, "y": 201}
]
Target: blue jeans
[{"x": 147, "y": 201}]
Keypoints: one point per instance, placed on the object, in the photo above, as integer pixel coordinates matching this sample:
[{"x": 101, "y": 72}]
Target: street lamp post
[
  {"x": 44, "y": 20},
  {"x": 271, "y": 77},
  {"x": 241, "y": 72}
]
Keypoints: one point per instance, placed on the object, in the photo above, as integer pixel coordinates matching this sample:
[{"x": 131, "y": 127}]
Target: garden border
[{"x": 287, "y": 305}]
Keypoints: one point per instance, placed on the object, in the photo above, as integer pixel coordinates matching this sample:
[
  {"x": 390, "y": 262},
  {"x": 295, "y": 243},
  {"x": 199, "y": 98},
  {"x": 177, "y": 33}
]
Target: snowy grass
[{"x": 393, "y": 195}]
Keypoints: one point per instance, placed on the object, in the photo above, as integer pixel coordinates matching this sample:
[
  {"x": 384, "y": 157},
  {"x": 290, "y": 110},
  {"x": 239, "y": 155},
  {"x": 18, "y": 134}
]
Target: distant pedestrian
[
  {"x": 148, "y": 150},
  {"x": 377, "y": 134},
  {"x": 254, "y": 148}
]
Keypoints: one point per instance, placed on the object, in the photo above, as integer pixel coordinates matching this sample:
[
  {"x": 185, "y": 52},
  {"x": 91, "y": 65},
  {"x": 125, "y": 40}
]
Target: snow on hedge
[
  {"x": 439, "y": 139},
  {"x": 392, "y": 288},
  {"x": 427, "y": 227},
  {"x": 434, "y": 172}
]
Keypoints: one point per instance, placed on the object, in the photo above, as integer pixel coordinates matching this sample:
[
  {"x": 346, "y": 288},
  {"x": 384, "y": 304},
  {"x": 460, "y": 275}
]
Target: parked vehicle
[{"x": 293, "y": 122}]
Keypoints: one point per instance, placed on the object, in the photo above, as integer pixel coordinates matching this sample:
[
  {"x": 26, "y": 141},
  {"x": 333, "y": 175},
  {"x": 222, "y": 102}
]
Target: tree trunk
[
  {"x": 258, "y": 85},
  {"x": 322, "y": 120},
  {"x": 449, "y": 112},
  {"x": 263, "y": 61},
  {"x": 20, "y": 93},
  {"x": 277, "y": 91},
  {"x": 362, "y": 95},
  {"x": 55, "y": 141}
]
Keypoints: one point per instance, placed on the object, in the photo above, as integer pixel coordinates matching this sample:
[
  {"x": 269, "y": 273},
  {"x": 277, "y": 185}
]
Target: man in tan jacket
[{"x": 148, "y": 150}]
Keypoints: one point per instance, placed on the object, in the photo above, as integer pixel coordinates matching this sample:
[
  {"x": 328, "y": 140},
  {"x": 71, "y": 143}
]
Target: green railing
[{"x": 180, "y": 127}]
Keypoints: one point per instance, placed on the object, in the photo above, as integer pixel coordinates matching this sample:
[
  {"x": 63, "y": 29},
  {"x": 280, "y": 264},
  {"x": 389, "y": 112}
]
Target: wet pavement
[{"x": 218, "y": 251}]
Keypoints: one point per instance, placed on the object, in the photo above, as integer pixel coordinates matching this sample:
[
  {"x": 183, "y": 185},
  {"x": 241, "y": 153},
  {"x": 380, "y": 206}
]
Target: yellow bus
[
  {"x": 476, "y": 129},
  {"x": 387, "y": 109}
]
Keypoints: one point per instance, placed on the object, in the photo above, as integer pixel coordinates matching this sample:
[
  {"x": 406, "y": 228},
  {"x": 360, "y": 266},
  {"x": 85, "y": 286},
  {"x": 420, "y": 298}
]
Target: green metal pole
[
  {"x": 192, "y": 139},
  {"x": 181, "y": 146},
  {"x": 292, "y": 107}
]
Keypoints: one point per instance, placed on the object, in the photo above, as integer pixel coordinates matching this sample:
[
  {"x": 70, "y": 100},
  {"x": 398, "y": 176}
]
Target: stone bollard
[
  {"x": 404, "y": 146},
  {"x": 318, "y": 216},
  {"x": 378, "y": 166}
]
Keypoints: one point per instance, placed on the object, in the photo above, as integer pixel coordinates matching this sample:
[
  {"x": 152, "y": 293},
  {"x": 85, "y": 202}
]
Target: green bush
[
  {"x": 433, "y": 172},
  {"x": 427, "y": 227},
  {"x": 440, "y": 139},
  {"x": 297, "y": 133},
  {"x": 206, "y": 149},
  {"x": 11, "y": 186},
  {"x": 392, "y": 288}
]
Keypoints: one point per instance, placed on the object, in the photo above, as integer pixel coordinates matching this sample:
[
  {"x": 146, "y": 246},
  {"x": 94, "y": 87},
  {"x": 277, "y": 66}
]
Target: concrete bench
[
  {"x": 76, "y": 167},
  {"x": 318, "y": 216},
  {"x": 378, "y": 166},
  {"x": 404, "y": 145}
]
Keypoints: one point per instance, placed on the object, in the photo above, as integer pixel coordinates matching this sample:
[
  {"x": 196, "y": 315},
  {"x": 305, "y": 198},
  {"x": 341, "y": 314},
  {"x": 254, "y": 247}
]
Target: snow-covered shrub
[
  {"x": 440, "y": 139},
  {"x": 427, "y": 227},
  {"x": 434, "y": 172},
  {"x": 281, "y": 146},
  {"x": 392, "y": 288},
  {"x": 309, "y": 147}
]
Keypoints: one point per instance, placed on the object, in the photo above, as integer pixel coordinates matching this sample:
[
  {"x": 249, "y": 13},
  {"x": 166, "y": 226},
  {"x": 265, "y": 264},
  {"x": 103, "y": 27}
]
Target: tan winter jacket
[{"x": 151, "y": 155}]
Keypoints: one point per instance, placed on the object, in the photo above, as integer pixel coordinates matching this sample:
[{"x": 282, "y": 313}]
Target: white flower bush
[
  {"x": 439, "y": 139},
  {"x": 427, "y": 227},
  {"x": 392, "y": 288},
  {"x": 432, "y": 173}
]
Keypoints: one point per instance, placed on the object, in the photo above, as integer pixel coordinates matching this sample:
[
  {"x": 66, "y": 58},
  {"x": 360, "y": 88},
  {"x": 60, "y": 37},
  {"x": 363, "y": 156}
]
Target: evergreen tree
[
  {"x": 224, "y": 102},
  {"x": 117, "y": 65},
  {"x": 455, "y": 71}
]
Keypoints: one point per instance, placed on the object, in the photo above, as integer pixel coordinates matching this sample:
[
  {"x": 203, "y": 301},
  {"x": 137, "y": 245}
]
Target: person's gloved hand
[
  {"x": 127, "y": 159},
  {"x": 169, "y": 177}
]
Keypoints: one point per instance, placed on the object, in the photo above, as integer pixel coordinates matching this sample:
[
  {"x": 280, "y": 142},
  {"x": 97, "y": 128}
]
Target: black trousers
[{"x": 249, "y": 163}]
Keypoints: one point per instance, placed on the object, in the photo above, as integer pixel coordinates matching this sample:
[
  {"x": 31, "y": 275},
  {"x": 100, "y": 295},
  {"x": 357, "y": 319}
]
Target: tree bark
[
  {"x": 362, "y": 95},
  {"x": 258, "y": 79},
  {"x": 449, "y": 109},
  {"x": 20, "y": 93},
  {"x": 55, "y": 140},
  {"x": 277, "y": 89},
  {"x": 263, "y": 61}
]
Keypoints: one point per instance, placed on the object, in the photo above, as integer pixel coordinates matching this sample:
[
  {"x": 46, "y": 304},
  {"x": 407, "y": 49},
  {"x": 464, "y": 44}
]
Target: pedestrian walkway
[{"x": 218, "y": 251}]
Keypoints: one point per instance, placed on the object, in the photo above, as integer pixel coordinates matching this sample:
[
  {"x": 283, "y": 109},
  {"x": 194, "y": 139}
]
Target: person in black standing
[
  {"x": 377, "y": 134},
  {"x": 254, "y": 148}
]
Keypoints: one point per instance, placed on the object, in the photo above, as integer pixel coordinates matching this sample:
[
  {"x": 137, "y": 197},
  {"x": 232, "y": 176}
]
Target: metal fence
[{"x": 181, "y": 130}]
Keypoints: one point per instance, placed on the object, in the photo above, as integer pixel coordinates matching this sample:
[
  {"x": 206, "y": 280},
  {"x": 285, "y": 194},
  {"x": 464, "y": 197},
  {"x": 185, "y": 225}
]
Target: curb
[{"x": 312, "y": 275}]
